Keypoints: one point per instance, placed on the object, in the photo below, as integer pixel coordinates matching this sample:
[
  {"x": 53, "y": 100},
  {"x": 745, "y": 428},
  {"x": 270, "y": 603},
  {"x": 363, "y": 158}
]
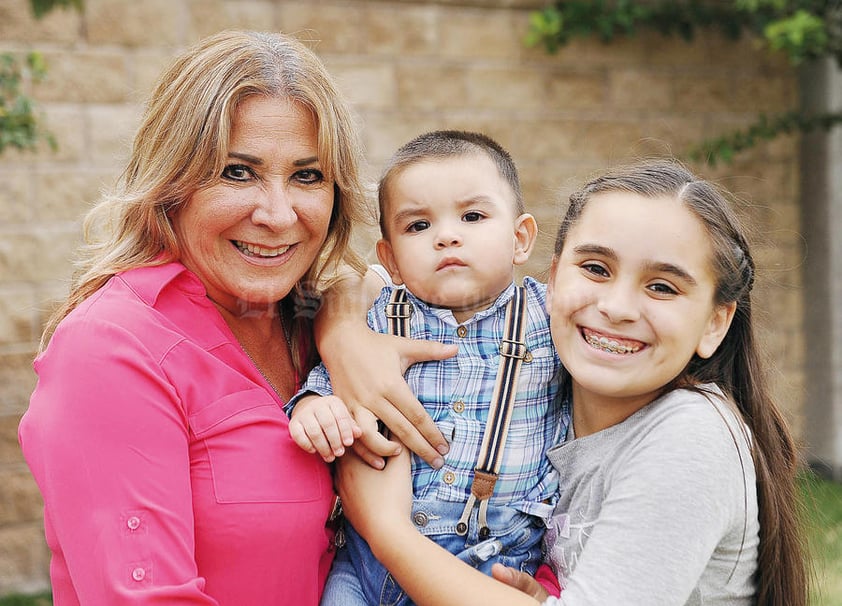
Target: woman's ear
[
  {"x": 718, "y": 325},
  {"x": 526, "y": 232},
  {"x": 387, "y": 258}
]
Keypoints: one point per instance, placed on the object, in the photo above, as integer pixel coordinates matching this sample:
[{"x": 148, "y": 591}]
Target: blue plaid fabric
[{"x": 456, "y": 392}]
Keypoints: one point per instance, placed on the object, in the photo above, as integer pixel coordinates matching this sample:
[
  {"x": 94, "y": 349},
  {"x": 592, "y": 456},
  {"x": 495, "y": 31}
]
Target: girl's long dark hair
[{"x": 735, "y": 366}]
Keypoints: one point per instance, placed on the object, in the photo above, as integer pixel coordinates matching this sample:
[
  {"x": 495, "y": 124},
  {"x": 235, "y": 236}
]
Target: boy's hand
[{"x": 323, "y": 424}]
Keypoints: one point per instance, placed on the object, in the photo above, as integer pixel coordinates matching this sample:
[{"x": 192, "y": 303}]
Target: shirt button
[
  {"x": 462, "y": 331},
  {"x": 458, "y": 406},
  {"x": 138, "y": 574},
  {"x": 449, "y": 477},
  {"x": 133, "y": 523},
  {"x": 420, "y": 518}
]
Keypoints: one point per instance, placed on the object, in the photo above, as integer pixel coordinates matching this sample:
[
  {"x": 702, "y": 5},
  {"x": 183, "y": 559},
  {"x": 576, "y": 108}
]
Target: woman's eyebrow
[{"x": 257, "y": 161}]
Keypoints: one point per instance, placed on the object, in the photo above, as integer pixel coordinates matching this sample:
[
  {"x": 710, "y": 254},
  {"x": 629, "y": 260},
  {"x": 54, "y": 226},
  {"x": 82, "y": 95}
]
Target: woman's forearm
[{"x": 434, "y": 577}]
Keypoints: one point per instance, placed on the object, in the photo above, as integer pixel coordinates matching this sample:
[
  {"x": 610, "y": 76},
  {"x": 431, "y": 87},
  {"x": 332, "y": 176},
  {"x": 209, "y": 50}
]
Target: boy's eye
[
  {"x": 471, "y": 216},
  {"x": 237, "y": 172},
  {"x": 418, "y": 226},
  {"x": 309, "y": 175}
]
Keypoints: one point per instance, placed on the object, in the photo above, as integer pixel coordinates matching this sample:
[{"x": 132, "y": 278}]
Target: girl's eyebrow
[{"x": 653, "y": 266}]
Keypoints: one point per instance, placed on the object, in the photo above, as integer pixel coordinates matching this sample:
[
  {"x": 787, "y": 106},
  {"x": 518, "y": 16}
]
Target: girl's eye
[
  {"x": 237, "y": 172},
  {"x": 471, "y": 216},
  {"x": 418, "y": 226},
  {"x": 309, "y": 175},
  {"x": 596, "y": 269},
  {"x": 662, "y": 289}
]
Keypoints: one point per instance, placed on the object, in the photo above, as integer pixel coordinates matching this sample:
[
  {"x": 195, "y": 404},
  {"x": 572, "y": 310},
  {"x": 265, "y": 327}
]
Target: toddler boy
[{"x": 453, "y": 229}]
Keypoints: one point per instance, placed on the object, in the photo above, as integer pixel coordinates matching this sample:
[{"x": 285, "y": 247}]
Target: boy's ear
[
  {"x": 387, "y": 258},
  {"x": 526, "y": 232},
  {"x": 718, "y": 325}
]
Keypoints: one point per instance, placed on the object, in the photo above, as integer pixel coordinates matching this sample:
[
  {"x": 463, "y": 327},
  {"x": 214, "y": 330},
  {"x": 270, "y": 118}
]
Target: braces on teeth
[{"x": 610, "y": 345}]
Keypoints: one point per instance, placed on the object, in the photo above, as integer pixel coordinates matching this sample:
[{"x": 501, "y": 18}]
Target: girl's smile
[{"x": 631, "y": 299}]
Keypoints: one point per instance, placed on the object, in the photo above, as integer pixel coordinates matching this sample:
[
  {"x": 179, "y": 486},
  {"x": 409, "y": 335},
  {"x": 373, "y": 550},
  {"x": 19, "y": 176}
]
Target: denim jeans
[{"x": 358, "y": 579}]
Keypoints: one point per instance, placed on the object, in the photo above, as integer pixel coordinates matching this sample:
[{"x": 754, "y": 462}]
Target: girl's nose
[
  {"x": 275, "y": 209},
  {"x": 618, "y": 303}
]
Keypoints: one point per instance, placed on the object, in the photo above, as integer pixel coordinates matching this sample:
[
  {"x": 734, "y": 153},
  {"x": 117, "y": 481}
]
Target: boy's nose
[{"x": 446, "y": 238}]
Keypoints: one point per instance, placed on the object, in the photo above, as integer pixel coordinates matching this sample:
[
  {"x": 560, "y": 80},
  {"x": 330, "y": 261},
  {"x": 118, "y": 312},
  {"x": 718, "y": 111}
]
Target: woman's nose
[{"x": 275, "y": 209}]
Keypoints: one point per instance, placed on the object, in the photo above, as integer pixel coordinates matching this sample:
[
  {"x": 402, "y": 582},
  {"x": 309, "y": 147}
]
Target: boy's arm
[
  {"x": 323, "y": 424},
  {"x": 366, "y": 369}
]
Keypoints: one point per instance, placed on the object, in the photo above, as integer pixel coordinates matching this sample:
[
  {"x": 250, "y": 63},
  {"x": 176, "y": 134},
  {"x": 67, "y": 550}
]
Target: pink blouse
[{"x": 164, "y": 458}]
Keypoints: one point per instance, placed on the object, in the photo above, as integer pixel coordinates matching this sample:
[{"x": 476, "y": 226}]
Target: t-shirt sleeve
[{"x": 672, "y": 496}]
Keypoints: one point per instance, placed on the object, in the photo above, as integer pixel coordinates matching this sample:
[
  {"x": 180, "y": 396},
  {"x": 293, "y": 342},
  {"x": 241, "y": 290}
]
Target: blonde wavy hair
[{"x": 182, "y": 145}]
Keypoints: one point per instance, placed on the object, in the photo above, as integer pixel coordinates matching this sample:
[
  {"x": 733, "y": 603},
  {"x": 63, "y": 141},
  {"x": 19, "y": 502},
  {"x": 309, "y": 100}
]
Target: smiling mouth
[
  {"x": 610, "y": 345},
  {"x": 253, "y": 250}
]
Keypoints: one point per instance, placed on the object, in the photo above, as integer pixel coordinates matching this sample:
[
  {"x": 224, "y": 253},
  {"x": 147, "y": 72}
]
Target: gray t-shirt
[{"x": 666, "y": 504}]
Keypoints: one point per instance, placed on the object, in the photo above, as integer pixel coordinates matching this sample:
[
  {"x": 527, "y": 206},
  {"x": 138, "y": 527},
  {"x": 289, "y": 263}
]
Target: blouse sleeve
[{"x": 107, "y": 441}]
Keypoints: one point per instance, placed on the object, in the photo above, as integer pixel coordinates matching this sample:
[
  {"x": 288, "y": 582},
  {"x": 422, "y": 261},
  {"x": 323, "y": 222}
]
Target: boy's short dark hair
[{"x": 447, "y": 144}]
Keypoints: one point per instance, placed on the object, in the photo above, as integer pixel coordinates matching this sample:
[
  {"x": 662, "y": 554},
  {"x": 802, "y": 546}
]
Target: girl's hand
[
  {"x": 323, "y": 424},
  {"x": 373, "y": 500}
]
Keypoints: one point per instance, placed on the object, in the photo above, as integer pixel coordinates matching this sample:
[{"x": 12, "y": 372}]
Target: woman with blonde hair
[{"x": 156, "y": 432}]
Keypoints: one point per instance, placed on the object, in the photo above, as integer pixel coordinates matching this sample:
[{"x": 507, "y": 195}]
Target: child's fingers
[
  {"x": 299, "y": 436},
  {"x": 347, "y": 427}
]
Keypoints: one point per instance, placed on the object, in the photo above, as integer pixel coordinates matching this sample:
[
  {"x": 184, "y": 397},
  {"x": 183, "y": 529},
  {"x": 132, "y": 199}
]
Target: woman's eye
[
  {"x": 237, "y": 172},
  {"x": 418, "y": 226},
  {"x": 471, "y": 216},
  {"x": 309, "y": 175}
]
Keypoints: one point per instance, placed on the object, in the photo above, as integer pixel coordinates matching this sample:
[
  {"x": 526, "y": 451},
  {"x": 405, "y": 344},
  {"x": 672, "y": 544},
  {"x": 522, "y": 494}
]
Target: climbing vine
[
  {"x": 804, "y": 30},
  {"x": 19, "y": 119}
]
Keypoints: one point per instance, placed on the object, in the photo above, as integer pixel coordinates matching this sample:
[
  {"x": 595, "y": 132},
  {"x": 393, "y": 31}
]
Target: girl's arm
[
  {"x": 366, "y": 369},
  {"x": 378, "y": 503}
]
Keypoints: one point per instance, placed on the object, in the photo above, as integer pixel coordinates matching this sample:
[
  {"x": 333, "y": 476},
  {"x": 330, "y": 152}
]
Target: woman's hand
[
  {"x": 366, "y": 372},
  {"x": 519, "y": 580},
  {"x": 376, "y": 501}
]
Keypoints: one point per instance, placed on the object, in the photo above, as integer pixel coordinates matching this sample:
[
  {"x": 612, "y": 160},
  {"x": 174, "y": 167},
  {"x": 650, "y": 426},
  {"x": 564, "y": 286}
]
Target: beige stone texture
[
  {"x": 327, "y": 27},
  {"x": 17, "y": 23},
  {"x": 206, "y": 17},
  {"x": 24, "y": 557},
  {"x": 83, "y": 77},
  {"x": 130, "y": 23},
  {"x": 17, "y": 378},
  {"x": 18, "y": 315},
  {"x": 407, "y": 66},
  {"x": 640, "y": 88}
]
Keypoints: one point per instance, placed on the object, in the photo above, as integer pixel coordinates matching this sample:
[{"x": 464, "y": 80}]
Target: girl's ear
[
  {"x": 387, "y": 258},
  {"x": 717, "y": 328},
  {"x": 526, "y": 232}
]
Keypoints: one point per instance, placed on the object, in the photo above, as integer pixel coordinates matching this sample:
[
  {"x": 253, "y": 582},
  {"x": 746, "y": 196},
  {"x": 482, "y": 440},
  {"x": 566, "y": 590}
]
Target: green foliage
[
  {"x": 19, "y": 122},
  {"x": 802, "y": 29},
  {"x": 42, "y": 7},
  {"x": 19, "y": 127}
]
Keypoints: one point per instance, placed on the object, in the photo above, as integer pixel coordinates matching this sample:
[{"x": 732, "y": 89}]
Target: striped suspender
[
  {"x": 398, "y": 310},
  {"x": 512, "y": 354}
]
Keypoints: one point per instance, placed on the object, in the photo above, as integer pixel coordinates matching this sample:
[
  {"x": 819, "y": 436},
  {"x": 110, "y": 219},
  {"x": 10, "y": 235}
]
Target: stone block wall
[{"x": 408, "y": 66}]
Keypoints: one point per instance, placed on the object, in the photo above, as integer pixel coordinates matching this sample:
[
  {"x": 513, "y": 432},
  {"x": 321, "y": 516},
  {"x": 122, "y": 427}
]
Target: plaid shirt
[{"x": 456, "y": 393}]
